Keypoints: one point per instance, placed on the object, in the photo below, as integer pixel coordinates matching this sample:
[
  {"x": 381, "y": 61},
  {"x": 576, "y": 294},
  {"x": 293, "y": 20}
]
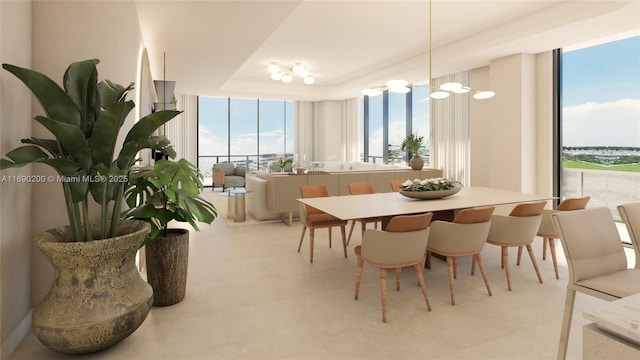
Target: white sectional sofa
[{"x": 274, "y": 195}]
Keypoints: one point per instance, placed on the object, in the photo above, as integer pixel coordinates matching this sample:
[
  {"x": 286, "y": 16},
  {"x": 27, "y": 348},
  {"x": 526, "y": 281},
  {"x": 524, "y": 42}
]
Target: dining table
[{"x": 389, "y": 204}]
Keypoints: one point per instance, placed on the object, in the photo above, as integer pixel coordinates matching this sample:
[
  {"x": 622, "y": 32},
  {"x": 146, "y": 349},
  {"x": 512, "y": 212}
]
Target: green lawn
[{"x": 592, "y": 166}]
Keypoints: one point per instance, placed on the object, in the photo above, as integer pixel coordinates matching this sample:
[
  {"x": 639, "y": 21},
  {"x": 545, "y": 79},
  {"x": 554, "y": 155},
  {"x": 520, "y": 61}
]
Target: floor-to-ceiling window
[
  {"x": 243, "y": 131},
  {"x": 601, "y": 122},
  {"x": 387, "y": 119}
]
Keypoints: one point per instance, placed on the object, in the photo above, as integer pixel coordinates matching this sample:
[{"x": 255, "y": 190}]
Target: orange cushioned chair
[
  {"x": 518, "y": 229},
  {"x": 313, "y": 218},
  {"x": 466, "y": 235},
  {"x": 402, "y": 244},
  {"x": 548, "y": 233}
]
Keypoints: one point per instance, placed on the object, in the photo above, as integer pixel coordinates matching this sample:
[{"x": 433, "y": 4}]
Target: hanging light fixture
[
  {"x": 285, "y": 74},
  {"x": 441, "y": 92}
]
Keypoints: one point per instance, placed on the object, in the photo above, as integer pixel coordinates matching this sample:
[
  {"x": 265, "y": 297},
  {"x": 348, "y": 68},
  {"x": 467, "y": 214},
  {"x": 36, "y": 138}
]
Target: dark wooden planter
[{"x": 167, "y": 261}]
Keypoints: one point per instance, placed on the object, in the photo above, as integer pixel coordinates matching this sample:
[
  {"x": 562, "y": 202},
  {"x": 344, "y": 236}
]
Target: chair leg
[
  {"x": 427, "y": 260},
  {"x": 484, "y": 274},
  {"x": 505, "y": 263},
  {"x": 304, "y": 229},
  {"x": 329, "y": 236},
  {"x": 419, "y": 268},
  {"x": 533, "y": 261},
  {"x": 311, "y": 234},
  {"x": 519, "y": 255},
  {"x": 552, "y": 249},
  {"x": 383, "y": 293},
  {"x": 343, "y": 232},
  {"x": 566, "y": 324},
  {"x": 353, "y": 224},
  {"x": 455, "y": 267},
  {"x": 452, "y": 291},
  {"x": 363, "y": 227},
  {"x": 398, "y": 273},
  {"x": 544, "y": 247},
  {"x": 358, "y": 277},
  {"x": 473, "y": 265}
]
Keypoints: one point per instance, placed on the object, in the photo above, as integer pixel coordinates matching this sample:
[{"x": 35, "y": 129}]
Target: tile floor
[{"x": 252, "y": 296}]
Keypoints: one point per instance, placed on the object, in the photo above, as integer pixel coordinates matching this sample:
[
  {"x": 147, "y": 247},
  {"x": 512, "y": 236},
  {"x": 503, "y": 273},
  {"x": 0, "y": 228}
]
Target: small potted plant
[
  {"x": 169, "y": 191},
  {"x": 412, "y": 144},
  {"x": 97, "y": 297}
]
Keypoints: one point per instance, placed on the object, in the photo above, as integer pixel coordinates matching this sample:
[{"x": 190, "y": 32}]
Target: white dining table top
[{"x": 392, "y": 203}]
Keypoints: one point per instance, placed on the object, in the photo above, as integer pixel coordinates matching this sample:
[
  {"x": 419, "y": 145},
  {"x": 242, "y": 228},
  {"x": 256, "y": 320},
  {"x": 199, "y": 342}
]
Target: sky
[{"x": 601, "y": 95}]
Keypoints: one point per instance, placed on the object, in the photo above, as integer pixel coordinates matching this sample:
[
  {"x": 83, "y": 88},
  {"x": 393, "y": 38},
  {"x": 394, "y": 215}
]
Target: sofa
[
  {"x": 274, "y": 195},
  {"x": 228, "y": 175}
]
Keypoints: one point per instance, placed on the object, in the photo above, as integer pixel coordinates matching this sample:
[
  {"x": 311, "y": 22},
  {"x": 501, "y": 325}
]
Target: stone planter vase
[
  {"x": 97, "y": 298},
  {"x": 416, "y": 163},
  {"x": 167, "y": 261}
]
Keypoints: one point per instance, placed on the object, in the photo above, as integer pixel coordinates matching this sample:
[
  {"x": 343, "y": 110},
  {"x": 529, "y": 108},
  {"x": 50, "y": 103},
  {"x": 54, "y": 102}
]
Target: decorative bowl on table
[{"x": 428, "y": 189}]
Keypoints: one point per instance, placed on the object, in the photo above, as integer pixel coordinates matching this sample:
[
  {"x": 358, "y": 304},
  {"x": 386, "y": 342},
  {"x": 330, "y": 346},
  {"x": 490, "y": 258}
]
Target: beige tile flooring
[{"x": 252, "y": 296}]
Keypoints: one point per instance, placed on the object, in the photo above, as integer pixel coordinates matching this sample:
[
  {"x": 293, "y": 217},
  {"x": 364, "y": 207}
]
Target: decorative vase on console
[{"x": 412, "y": 145}]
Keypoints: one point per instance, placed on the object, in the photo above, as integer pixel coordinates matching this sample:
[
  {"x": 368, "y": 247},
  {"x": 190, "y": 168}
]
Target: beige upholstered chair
[
  {"x": 362, "y": 188},
  {"x": 596, "y": 260},
  {"x": 466, "y": 235},
  {"x": 547, "y": 231},
  {"x": 313, "y": 218},
  {"x": 518, "y": 229},
  {"x": 402, "y": 246},
  {"x": 395, "y": 185},
  {"x": 630, "y": 214}
]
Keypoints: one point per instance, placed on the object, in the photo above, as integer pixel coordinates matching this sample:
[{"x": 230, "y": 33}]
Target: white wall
[
  {"x": 47, "y": 36},
  {"x": 15, "y": 199}
]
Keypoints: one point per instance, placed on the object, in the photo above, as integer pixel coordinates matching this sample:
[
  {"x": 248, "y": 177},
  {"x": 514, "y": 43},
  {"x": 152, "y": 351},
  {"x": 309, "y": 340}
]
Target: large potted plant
[
  {"x": 97, "y": 297},
  {"x": 169, "y": 191},
  {"x": 412, "y": 145}
]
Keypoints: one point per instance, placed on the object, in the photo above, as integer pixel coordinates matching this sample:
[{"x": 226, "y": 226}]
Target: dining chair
[
  {"x": 630, "y": 214},
  {"x": 596, "y": 261},
  {"x": 362, "y": 188},
  {"x": 402, "y": 244},
  {"x": 396, "y": 184},
  {"x": 517, "y": 229},
  {"x": 466, "y": 235},
  {"x": 548, "y": 233},
  {"x": 313, "y": 218}
]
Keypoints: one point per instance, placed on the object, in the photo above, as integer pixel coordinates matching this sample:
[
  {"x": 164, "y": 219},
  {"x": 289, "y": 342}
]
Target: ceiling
[{"x": 223, "y": 48}]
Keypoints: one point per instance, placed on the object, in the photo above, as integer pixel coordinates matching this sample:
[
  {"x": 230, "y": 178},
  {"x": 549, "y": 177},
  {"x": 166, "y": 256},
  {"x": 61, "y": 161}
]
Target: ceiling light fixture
[
  {"x": 285, "y": 74},
  {"x": 441, "y": 92}
]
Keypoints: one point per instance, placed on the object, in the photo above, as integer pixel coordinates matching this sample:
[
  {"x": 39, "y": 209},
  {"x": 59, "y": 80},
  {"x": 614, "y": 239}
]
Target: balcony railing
[{"x": 606, "y": 188}]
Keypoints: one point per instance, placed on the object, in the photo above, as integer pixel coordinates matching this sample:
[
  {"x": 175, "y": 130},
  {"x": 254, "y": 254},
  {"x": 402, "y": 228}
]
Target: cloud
[{"x": 602, "y": 124}]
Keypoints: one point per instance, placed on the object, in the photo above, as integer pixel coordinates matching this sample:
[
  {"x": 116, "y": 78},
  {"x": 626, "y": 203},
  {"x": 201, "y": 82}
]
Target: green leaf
[
  {"x": 148, "y": 124},
  {"x": 111, "y": 92},
  {"x": 55, "y": 102},
  {"x": 71, "y": 138},
  {"x": 81, "y": 84},
  {"x": 25, "y": 155},
  {"x": 106, "y": 129},
  {"x": 52, "y": 146}
]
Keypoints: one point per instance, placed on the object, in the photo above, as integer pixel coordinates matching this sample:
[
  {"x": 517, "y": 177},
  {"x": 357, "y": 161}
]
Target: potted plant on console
[
  {"x": 412, "y": 145},
  {"x": 97, "y": 297},
  {"x": 168, "y": 191}
]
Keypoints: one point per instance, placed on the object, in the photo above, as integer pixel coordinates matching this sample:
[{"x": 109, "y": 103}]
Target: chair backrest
[
  {"x": 591, "y": 243},
  {"x": 394, "y": 248},
  {"x": 313, "y": 191},
  {"x": 573, "y": 204},
  {"x": 630, "y": 214},
  {"x": 360, "y": 188},
  {"x": 474, "y": 215},
  {"x": 528, "y": 209},
  {"x": 466, "y": 235},
  {"x": 395, "y": 185},
  {"x": 404, "y": 223},
  {"x": 520, "y": 227},
  {"x": 546, "y": 225}
]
